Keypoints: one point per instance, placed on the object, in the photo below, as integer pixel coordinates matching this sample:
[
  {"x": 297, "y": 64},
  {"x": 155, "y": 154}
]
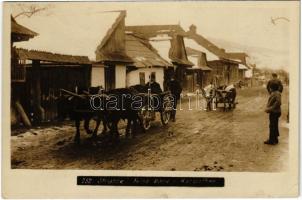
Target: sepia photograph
[{"x": 199, "y": 87}]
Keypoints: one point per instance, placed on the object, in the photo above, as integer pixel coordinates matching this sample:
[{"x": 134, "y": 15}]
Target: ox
[{"x": 77, "y": 107}]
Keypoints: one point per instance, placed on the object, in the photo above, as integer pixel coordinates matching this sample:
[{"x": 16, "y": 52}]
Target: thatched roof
[
  {"x": 25, "y": 54},
  {"x": 178, "y": 52},
  {"x": 149, "y": 31},
  {"x": 143, "y": 54},
  {"x": 112, "y": 46},
  {"x": 19, "y": 32},
  {"x": 238, "y": 56}
]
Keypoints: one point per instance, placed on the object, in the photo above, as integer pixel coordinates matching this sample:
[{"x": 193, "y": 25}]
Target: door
[
  {"x": 142, "y": 78},
  {"x": 189, "y": 83},
  {"x": 109, "y": 77},
  {"x": 196, "y": 84}
]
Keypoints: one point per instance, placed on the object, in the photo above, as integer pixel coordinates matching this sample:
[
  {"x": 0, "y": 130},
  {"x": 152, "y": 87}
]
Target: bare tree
[{"x": 28, "y": 10}]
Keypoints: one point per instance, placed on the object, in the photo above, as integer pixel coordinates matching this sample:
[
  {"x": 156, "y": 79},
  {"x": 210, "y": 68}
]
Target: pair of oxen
[{"x": 105, "y": 107}]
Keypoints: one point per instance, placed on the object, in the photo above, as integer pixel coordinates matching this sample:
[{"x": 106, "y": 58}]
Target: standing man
[
  {"x": 274, "y": 109},
  {"x": 154, "y": 89},
  {"x": 175, "y": 88},
  {"x": 274, "y": 80}
]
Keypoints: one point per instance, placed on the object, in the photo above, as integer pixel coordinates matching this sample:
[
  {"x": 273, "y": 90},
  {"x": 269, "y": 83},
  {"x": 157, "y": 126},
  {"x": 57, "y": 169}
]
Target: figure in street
[
  {"x": 274, "y": 109},
  {"x": 209, "y": 92},
  {"x": 274, "y": 80},
  {"x": 175, "y": 88}
]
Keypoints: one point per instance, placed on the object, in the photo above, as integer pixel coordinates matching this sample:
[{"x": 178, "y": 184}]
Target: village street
[{"x": 197, "y": 141}]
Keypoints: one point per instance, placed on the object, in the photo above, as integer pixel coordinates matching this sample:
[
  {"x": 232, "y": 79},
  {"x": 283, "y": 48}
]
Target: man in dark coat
[
  {"x": 153, "y": 85},
  {"x": 274, "y": 80},
  {"x": 274, "y": 110},
  {"x": 175, "y": 88}
]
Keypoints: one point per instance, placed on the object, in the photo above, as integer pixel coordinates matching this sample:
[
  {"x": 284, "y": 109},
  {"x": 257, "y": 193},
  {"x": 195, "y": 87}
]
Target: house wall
[
  {"x": 227, "y": 73},
  {"x": 97, "y": 76},
  {"x": 206, "y": 78},
  {"x": 53, "y": 78},
  {"x": 234, "y": 73},
  {"x": 248, "y": 73},
  {"x": 218, "y": 72},
  {"x": 133, "y": 76},
  {"x": 120, "y": 76},
  {"x": 241, "y": 74}
]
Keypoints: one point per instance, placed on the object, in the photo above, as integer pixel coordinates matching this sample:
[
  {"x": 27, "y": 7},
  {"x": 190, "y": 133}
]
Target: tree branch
[{"x": 30, "y": 11}]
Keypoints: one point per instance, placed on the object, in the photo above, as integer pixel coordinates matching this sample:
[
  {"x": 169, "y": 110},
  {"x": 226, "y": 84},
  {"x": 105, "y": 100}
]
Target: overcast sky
[{"x": 77, "y": 28}]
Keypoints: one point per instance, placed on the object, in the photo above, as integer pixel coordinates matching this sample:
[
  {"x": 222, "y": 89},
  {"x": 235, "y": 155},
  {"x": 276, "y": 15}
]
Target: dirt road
[{"x": 197, "y": 141}]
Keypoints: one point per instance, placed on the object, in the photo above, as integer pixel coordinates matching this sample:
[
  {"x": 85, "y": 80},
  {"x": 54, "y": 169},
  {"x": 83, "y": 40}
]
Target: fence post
[{"x": 39, "y": 113}]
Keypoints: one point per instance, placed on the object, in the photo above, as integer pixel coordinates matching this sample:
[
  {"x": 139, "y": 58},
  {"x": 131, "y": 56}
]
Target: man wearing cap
[{"x": 175, "y": 88}]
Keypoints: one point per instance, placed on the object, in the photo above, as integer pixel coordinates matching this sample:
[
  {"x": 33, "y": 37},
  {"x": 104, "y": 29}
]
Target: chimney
[
  {"x": 202, "y": 60},
  {"x": 193, "y": 29}
]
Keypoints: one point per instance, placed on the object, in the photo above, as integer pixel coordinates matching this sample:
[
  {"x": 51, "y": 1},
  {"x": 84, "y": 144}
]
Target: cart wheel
[
  {"x": 145, "y": 116},
  {"x": 165, "y": 114}
]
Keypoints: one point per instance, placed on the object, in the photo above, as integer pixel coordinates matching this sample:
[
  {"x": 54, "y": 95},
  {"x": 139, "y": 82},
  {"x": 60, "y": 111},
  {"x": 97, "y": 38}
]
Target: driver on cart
[
  {"x": 209, "y": 91},
  {"x": 153, "y": 85},
  {"x": 155, "y": 89},
  {"x": 230, "y": 88}
]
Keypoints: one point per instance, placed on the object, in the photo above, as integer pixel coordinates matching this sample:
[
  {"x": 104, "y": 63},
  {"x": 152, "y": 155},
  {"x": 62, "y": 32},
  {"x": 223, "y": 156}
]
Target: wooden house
[
  {"x": 179, "y": 58},
  {"x": 243, "y": 66},
  {"x": 133, "y": 56},
  {"x": 241, "y": 72},
  {"x": 225, "y": 64},
  {"x": 201, "y": 68},
  {"x": 224, "y": 72},
  {"x": 38, "y": 76},
  {"x": 46, "y": 74},
  {"x": 225, "y": 68},
  {"x": 19, "y": 33},
  {"x": 171, "y": 48},
  {"x": 123, "y": 60}
]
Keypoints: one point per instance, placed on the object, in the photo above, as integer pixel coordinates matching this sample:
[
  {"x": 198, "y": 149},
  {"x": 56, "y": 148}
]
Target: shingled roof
[
  {"x": 202, "y": 62},
  {"x": 19, "y": 32},
  {"x": 178, "y": 52},
  {"x": 112, "y": 47},
  {"x": 211, "y": 47},
  {"x": 143, "y": 54},
  {"x": 25, "y": 54},
  {"x": 149, "y": 31},
  {"x": 191, "y": 34},
  {"x": 239, "y": 56}
]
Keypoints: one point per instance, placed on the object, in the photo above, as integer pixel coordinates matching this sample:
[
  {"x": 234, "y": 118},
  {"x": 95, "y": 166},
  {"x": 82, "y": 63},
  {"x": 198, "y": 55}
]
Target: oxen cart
[
  {"x": 226, "y": 97},
  {"x": 137, "y": 107},
  {"x": 109, "y": 107}
]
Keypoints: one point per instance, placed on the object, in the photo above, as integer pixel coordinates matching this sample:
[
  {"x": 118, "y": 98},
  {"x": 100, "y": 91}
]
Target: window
[
  {"x": 142, "y": 78},
  {"x": 153, "y": 74},
  {"x": 109, "y": 77}
]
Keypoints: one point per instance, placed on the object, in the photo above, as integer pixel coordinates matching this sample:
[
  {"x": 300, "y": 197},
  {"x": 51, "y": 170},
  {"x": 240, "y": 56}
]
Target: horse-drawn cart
[{"x": 225, "y": 97}]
